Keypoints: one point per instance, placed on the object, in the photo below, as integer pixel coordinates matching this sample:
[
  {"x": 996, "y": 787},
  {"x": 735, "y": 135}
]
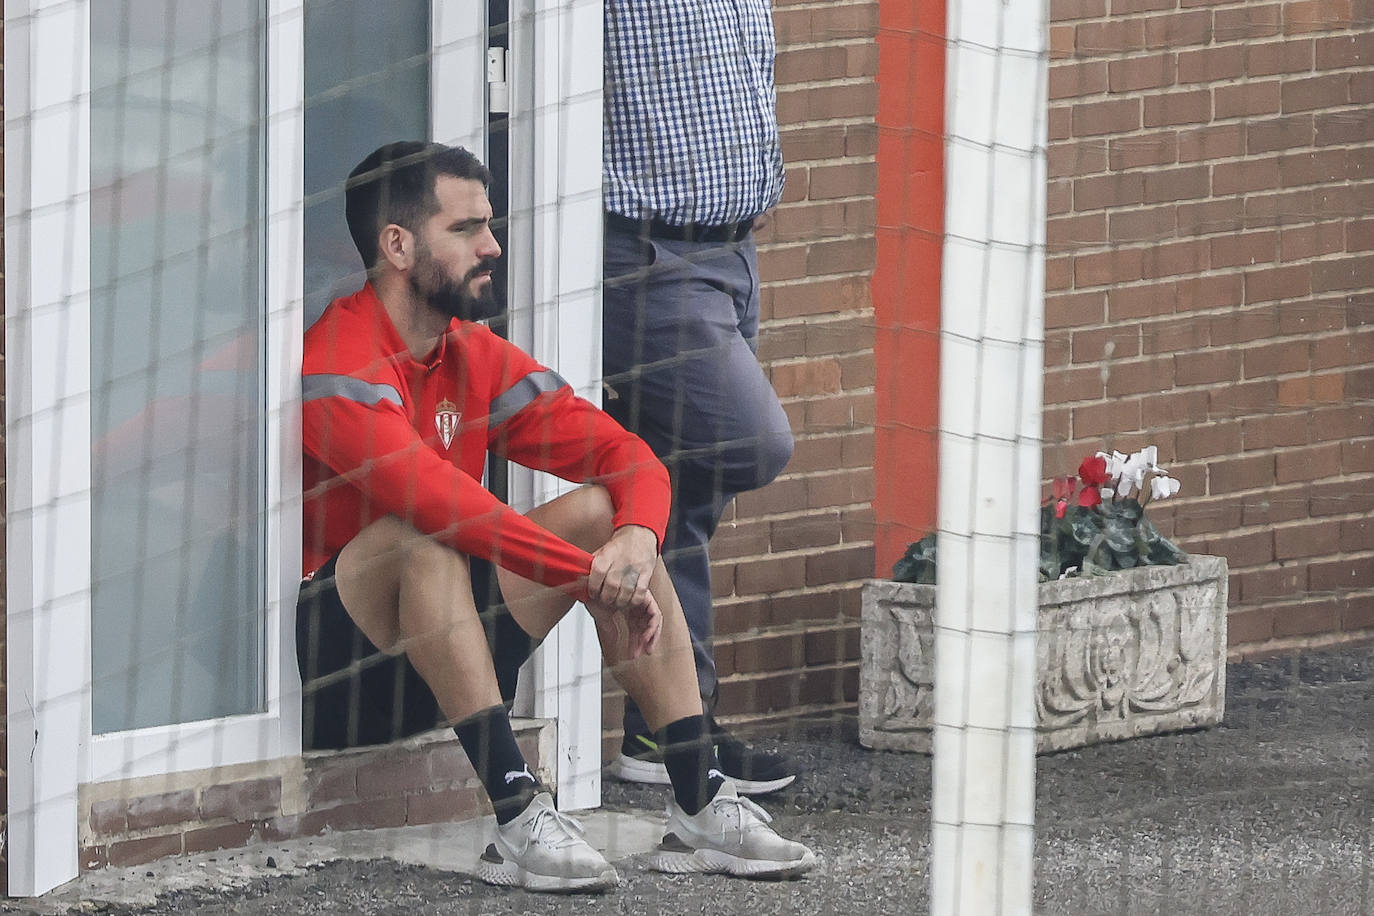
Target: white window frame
[
  {"x": 554, "y": 67},
  {"x": 48, "y": 385}
]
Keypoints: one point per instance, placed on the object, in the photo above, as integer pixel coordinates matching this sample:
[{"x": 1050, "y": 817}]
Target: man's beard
[{"x": 428, "y": 281}]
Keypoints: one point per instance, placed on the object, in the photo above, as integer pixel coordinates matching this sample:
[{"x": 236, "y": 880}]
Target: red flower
[
  {"x": 1061, "y": 507},
  {"x": 1091, "y": 496},
  {"x": 1063, "y": 487},
  {"x": 1094, "y": 473}
]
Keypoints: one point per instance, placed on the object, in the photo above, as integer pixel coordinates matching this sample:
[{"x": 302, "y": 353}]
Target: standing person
[
  {"x": 404, "y": 396},
  {"x": 691, "y": 160}
]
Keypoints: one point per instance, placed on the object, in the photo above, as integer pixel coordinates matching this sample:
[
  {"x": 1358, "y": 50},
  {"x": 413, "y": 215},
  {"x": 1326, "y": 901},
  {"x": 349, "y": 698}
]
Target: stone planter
[{"x": 1135, "y": 652}]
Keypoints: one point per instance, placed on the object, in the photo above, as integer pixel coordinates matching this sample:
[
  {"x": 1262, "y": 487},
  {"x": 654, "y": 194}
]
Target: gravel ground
[{"x": 1270, "y": 813}]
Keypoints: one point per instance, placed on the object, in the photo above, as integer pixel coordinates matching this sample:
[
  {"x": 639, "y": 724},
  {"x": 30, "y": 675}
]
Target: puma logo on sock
[{"x": 513, "y": 775}]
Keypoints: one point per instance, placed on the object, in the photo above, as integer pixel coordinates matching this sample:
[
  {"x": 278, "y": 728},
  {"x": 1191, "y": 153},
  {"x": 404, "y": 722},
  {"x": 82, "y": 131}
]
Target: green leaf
[
  {"x": 1099, "y": 556},
  {"x": 1120, "y": 534},
  {"x": 918, "y": 563},
  {"x": 1130, "y": 508},
  {"x": 904, "y": 570},
  {"x": 1085, "y": 527},
  {"x": 1164, "y": 553},
  {"x": 1093, "y": 569},
  {"x": 1049, "y": 568},
  {"x": 1159, "y": 550}
]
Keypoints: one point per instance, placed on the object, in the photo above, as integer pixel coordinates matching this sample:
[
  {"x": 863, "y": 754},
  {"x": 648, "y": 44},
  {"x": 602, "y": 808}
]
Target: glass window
[
  {"x": 367, "y": 68},
  {"x": 177, "y": 321}
]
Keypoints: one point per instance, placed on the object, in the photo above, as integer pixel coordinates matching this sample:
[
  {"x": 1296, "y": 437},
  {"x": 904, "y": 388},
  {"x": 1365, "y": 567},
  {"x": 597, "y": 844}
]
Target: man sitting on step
[{"x": 405, "y": 394}]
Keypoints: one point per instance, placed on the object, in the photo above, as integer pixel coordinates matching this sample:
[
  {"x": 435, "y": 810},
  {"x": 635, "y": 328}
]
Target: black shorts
[{"x": 353, "y": 695}]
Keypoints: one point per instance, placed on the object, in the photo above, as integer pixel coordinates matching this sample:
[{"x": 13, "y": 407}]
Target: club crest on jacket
[{"x": 446, "y": 417}]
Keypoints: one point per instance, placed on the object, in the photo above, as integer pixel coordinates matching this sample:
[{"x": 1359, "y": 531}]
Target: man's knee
[
  {"x": 742, "y": 465},
  {"x": 596, "y": 511},
  {"x": 774, "y": 450},
  {"x": 425, "y": 563},
  {"x": 584, "y": 517},
  {"x": 425, "y": 560}
]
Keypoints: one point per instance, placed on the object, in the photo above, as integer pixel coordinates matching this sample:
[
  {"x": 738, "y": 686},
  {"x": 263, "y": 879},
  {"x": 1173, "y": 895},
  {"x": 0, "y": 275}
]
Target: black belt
[{"x": 657, "y": 229}]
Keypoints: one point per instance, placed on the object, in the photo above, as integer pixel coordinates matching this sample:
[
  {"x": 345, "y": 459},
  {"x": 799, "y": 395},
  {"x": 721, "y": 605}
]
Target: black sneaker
[
  {"x": 640, "y": 761},
  {"x": 754, "y": 772}
]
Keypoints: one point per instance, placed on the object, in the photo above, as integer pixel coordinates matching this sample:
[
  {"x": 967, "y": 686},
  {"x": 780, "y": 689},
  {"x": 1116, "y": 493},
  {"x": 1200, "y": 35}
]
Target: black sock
[
  {"x": 490, "y": 745},
  {"x": 690, "y": 758}
]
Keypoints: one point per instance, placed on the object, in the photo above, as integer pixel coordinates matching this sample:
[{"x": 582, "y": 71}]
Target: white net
[{"x": 1008, "y": 239}]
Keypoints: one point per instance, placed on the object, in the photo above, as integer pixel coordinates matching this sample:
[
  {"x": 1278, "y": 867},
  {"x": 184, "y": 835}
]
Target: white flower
[
  {"x": 1115, "y": 462},
  {"x": 1135, "y": 468},
  {"x": 1163, "y": 487},
  {"x": 1132, "y": 476},
  {"x": 1128, "y": 472},
  {"x": 1150, "y": 454}
]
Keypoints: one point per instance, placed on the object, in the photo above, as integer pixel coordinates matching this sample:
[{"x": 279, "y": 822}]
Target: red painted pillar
[{"x": 906, "y": 279}]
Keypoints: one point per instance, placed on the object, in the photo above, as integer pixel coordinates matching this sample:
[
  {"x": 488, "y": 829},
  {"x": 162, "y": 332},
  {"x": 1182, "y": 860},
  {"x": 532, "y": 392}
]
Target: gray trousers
[{"x": 679, "y": 335}]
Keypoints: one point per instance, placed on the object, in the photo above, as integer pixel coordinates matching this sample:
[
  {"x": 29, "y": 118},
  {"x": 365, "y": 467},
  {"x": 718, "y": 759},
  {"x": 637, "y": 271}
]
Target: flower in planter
[{"x": 1091, "y": 524}]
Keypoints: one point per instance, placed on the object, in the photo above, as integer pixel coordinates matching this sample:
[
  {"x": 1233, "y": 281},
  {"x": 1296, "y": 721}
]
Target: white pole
[{"x": 991, "y": 342}]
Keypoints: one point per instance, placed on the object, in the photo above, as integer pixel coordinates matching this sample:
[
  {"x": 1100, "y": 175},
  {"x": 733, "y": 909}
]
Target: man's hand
[
  {"x": 622, "y": 568},
  {"x": 629, "y": 633}
]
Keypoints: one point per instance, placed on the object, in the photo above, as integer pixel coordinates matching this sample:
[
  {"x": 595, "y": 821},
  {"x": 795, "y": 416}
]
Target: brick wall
[
  {"x": 423, "y": 780},
  {"x": 1211, "y": 285},
  {"x": 788, "y": 557}
]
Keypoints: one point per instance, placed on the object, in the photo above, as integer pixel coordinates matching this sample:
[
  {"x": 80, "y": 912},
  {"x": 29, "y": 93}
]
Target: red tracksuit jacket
[{"x": 388, "y": 435}]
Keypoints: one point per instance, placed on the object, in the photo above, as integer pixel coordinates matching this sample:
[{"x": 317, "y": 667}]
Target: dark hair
[{"x": 395, "y": 184}]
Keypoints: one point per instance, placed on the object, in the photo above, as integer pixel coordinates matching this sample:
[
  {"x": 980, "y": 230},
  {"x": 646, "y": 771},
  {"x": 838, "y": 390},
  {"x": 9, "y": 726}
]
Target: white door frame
[
  {"x": 48, "y": 387},
  {"x": 554, "y": 70},
  {"x": 556, "y": 202},
  {"x": 47, "y": 434}
]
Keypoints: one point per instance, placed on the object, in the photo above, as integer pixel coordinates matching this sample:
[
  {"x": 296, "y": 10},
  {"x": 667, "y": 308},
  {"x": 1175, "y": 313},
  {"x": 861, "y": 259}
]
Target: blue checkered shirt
[{"x": 691, "y": 133}]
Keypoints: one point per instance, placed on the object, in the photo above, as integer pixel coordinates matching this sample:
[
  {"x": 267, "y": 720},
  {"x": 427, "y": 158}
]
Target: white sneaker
[
  {"x": 544, "y": 850},
  {"x": 729, "y": 836}
]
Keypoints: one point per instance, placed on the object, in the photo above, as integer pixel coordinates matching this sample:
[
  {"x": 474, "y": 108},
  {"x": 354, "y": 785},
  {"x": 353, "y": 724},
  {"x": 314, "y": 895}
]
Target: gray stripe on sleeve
[
  {"x": 519, "y": 396},
  {"x": 314, "y": 387}
]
